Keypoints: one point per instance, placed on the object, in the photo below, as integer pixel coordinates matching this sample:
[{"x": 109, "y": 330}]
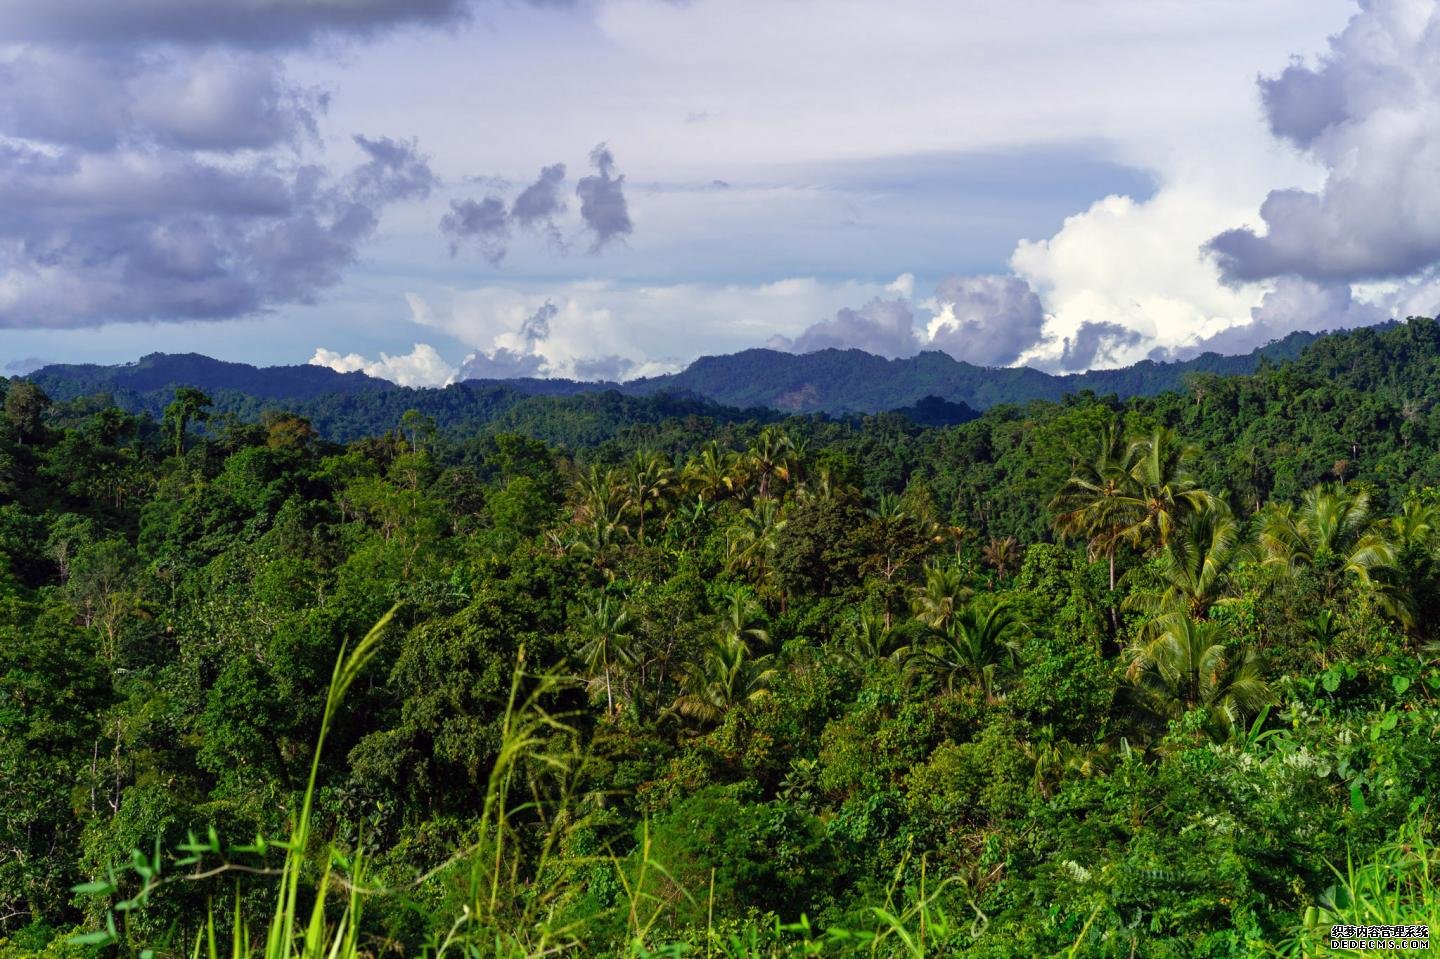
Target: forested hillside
[
  {"x": 1105, "y": 677},
  {"x": 346, "y": 406}
]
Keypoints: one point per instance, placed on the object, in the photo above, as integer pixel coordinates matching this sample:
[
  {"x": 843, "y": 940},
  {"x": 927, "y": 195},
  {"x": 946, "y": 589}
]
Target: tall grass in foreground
[
  {"x": 1394, "y": 888},
  {"x": 509, "y": 906},
  {"x": 511, "y": 884},
  {"x": 287, "y": 937}
]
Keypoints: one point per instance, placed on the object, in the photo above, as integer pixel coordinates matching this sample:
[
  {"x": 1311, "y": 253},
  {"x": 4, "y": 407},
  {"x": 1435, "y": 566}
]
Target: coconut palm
[
  {"x": 649, "y": 482},
  {"x": 866, "y": 639},
  {"x": 1187, "y": 666},
  {"x": 712, "y": 475},
  {"x": 1163, "y": 491},
  {"x": 1097, "y": 502},
  {"x": 943, "y": 593},
  {"x": 1002, "y": 554},
  {"x": 770, "y": 459},
  {"x": 1330, "y": 535},
  {"x": 974, "y": 647},
  {"x": 605, "y": 643},
  {"x": 744, "y": 620},
  {"x": 751, "y": 543},
  {"x": 600, "y": 511},
  {"x": 1194, "y": 566},
  {"x": 727, "y": 675}
]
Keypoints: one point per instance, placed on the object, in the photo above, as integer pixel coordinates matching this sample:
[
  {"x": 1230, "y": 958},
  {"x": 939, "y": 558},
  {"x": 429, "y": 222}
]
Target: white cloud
[
  {"x": 603, "y": 329},
  {"x": 422, "y": 366}
]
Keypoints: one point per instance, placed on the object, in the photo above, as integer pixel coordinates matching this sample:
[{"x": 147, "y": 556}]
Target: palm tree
[
  {"x": 727, "y": 675},
  {"x": 770, "y": 459},
  {"x": 867, "y": 639},
  {"x": 1195, "y": 566},
  {"x": 648, "y": 481},
  {"x": 1188, "y": 667},
  {"x": 1415, "y": 536},
  {"x": 744, "y": 620},
  {"x": 1163, "y": 489},
  {"x": 713, "y": 474},
  {"x": 1002, "y": 554},
  {"x": 600, "y": 510},
  {"x": 1135, "y": 493},
  {"x": 605, "y": 643},
  {"x": 974, "y": 647},
  {"x": 944, "y": 592},
  {"x": 1097, "y": 501},
  {"x": 1330, "y": 534},
  {"x": 751, "y": 543}
]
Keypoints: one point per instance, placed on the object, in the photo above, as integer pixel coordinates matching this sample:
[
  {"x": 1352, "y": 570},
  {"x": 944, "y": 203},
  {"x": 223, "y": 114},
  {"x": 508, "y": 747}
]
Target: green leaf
[
  {"x": 1357, "y": 798},
  {"x": 91, "y": 939},
  {"x": 1330, "y": 680},
  {"x": 98, "y": 887},
  {"x": 1399, "y": 684}
]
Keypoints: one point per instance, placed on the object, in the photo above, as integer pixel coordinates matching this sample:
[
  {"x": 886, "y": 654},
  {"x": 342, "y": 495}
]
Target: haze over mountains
[{"x": 826, "y": 381}]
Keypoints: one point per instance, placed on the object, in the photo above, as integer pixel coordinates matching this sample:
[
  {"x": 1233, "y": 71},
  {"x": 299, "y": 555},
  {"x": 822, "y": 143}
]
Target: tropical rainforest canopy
[{"x": 1094, "y": 677}]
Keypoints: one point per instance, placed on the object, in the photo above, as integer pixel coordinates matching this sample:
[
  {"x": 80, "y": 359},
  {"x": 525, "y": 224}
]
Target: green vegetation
[{"x": 1152, "y": 677}]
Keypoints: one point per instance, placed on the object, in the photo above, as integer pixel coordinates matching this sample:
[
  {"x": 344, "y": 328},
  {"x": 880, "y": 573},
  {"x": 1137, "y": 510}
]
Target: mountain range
[{"x": 835, "y": 382}]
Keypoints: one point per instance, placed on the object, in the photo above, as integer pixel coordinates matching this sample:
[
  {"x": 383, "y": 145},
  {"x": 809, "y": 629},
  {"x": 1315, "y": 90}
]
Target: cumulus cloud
[
  {"x": 602, "y": 200},
  {"x": 90, "y": 238},
  {"x": 595, "y": 329},
  {"x": 144, "y": 178},
  {"x": 519, "y": 356},
  {"x": 540, "y": 203},
  {"x": 986, "y": 320},
  {"x": 1294, "y": 304},
  {"x": 501, "y": 364},
  {"x": 212, "y": 101},
  {"x": 537, "y": 326},
  {"x": 481, "y": 222},
  {"x": 883, "y": 327},
  {"x": 1368, "y": 111},
  {"x": 422, "y": 366},
  {"x": 1095, "y": 344},
  {"x": 487, "y": 223}
]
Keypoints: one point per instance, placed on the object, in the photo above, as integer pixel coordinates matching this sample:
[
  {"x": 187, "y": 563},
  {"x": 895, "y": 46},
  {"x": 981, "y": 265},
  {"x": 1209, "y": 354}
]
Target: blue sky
[{"x": 1063, "y": 183}]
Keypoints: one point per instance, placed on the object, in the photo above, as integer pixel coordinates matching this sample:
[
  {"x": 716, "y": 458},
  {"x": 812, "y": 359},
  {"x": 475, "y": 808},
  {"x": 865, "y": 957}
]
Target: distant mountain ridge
[
  {"x": 165, "y": 371},
  {"x": 852, "y": 381},
  {"x": 827, "y": 381}
]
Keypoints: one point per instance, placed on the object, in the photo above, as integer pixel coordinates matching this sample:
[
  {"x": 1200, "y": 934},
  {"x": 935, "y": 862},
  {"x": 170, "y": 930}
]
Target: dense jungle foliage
[{"x": 1154, "y": 677}]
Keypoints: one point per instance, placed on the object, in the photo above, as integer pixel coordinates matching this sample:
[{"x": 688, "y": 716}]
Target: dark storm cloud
[
  {"x": 1095, "y": 343},
  {"x": 157, "y": 162},
  {"x": 602, "y": 200},
  {"x": 1367, "y": 113},
  {"x": 989, "y": 320},
  {"x": 246, "y": 23},
  {"x": 883, "y": 327},
  {"x": 90, "y": 238},
  {"x": 214, "y": 101}
]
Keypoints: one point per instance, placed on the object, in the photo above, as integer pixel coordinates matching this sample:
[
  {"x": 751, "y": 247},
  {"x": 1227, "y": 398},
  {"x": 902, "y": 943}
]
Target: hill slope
[{"x": 827, "y": 381}]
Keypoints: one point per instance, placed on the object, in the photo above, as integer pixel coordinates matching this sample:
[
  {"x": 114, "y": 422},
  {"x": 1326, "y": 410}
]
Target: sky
[{"x": 430, "y": 190}]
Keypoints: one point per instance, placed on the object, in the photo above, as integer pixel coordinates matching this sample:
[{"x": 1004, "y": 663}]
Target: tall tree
[{"x": 189, "y": 406}]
